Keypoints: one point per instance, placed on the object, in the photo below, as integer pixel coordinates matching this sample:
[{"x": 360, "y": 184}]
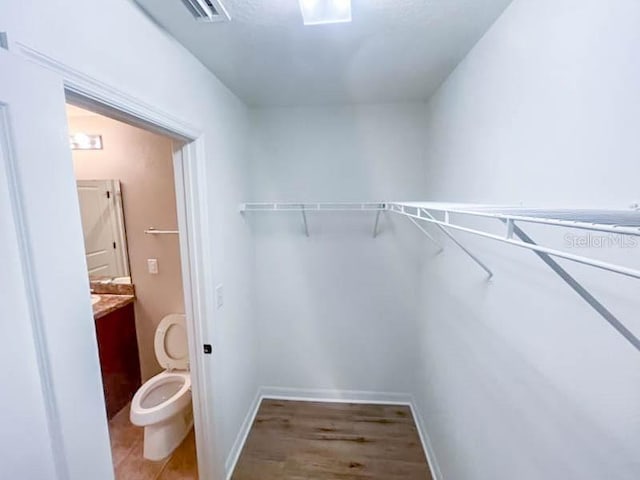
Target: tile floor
[{"x": 129, "y": 464}]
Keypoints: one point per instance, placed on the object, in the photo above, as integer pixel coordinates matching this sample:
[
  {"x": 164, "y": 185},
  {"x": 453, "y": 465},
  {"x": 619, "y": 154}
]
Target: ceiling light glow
[
  {"x": 82, "y": 141},
  {"x": 319, "y": 12}
]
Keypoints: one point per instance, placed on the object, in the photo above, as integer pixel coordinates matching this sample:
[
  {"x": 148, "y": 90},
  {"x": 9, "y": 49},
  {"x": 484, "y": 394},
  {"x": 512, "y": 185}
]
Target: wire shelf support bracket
[
  {"x": 583, "y": 292},
  {"x": 427, "y": 234}
]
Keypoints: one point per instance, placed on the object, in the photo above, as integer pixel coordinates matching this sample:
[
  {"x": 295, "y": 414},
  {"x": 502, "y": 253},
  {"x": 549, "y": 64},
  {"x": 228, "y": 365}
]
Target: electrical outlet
[
  {"x": 152, "y": 266},
  {"x": 219, "y": 297}
]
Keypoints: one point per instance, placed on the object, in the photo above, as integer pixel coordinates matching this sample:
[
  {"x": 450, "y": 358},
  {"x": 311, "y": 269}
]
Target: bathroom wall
[
  {"x": 143, "y": 163},
  {"x": 519, "y": 377}
]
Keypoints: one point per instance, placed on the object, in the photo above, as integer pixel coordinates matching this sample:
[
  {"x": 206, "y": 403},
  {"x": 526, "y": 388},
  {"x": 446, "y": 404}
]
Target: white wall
[
  {"x": 519, "y": 377},
  {"x": 514, "y": 378},
  {"x": 336, "y": 310},
  {"x": 121, "y": 47}
]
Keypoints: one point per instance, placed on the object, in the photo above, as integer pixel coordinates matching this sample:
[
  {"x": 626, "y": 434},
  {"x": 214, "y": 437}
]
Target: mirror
[{"x": 105, "y": 239}]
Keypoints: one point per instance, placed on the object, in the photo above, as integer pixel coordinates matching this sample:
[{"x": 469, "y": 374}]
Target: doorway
[
  {"x": 67, "y": 428},
  {"x": 126, "y": 190}
]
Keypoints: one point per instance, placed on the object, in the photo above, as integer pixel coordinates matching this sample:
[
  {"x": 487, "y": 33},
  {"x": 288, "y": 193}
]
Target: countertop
[{"x": 110, "y": 303}]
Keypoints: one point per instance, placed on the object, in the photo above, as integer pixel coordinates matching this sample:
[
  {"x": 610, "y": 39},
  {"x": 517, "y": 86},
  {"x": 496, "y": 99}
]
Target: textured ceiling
[{"x": 393, "y": 50}]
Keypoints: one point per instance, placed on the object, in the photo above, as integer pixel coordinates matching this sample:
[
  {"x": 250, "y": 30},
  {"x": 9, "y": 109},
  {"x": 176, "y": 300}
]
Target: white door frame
[{"x": 189, "y": 161}]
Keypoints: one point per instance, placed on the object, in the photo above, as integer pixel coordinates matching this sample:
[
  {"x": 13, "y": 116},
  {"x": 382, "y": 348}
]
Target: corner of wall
[{"x": 243, "y": 433}]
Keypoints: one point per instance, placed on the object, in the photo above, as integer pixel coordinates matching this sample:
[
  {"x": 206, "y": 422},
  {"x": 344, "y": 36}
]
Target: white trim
[
  {"x": 94, "y": 91},
  {"x": 196, "y": 283},
  {"x": 332, "y": 396},
  {"x": 241, "y": 438},
  {"x": 335, "y": 396},
  {"x": 193, "y": 245},
  {"x": 427, "y": 445}
]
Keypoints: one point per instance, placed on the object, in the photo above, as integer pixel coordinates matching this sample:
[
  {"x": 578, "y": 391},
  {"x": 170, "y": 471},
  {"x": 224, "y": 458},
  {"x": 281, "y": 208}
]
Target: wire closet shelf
[
  {"x": 448, "y": 217},
  {"x": 620, "y": 222}
]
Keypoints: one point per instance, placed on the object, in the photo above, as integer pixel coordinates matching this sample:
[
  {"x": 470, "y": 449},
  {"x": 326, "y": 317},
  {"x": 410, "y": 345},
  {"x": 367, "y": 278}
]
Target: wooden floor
[
  {"x": 308, "y": 440},
  {"x": 127, "y": 442}
]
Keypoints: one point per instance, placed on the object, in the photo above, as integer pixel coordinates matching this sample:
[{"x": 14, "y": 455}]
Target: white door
[
  {"x": 97, "y": 211},
  {"x": 23, "y": 410},
  {"x": 52, "y": 417}
]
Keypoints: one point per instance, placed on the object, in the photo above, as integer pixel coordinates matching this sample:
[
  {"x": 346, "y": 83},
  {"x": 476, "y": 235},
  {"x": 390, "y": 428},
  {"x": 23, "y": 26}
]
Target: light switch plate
[
  {"x": 152, "y": 266},
  {"x": 219, "y": 296}
]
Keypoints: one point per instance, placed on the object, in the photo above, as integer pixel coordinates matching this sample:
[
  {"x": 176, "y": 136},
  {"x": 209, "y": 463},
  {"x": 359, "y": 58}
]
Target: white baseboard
[
  {"x": 333, "y": 396},
  {"x": 241, "y": 438},
  {"x": 427, "y": 446}
]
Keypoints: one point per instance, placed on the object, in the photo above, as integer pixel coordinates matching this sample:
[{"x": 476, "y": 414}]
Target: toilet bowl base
[{"x": 161, "y": 439}]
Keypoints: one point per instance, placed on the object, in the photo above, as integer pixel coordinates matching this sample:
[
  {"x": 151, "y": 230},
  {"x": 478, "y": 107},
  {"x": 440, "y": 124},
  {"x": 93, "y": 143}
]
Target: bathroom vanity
[{"x": 117, "y": 346}]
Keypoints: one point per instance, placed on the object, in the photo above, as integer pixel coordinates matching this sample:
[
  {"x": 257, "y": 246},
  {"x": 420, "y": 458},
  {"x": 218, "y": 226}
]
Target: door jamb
[{"x": 189, "y": 162}]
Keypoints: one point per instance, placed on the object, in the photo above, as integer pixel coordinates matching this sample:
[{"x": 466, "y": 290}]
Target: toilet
[{"x": 163, "y": 404}]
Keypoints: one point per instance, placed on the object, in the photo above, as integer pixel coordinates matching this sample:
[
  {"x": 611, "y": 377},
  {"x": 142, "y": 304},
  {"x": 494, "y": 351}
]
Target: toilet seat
[
  {"x": 160, "y": 398},
  {"x": 171, "y": 344}
]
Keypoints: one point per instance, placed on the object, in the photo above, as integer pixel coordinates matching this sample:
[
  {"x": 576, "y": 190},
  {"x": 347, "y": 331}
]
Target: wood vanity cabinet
[{"x": 119, "y": 360}]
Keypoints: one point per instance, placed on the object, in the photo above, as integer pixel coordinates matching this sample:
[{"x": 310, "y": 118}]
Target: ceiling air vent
[{"x": 207, "y": 10}]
